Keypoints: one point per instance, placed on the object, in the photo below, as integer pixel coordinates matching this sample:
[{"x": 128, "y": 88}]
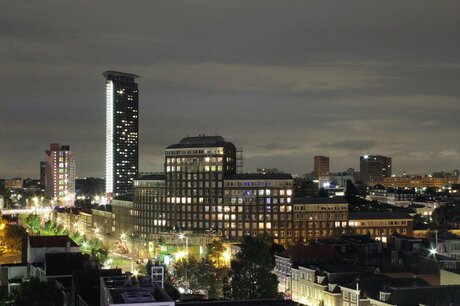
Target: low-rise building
[
  {"x": 295, "y": 255},
  {"x": 316, "y": 284},
  {"x": 357, "y": 248},
  {"x": 38, "y": 246},
  {"x": 14, "y": 183},
  {"x": 380, "y": 225}
]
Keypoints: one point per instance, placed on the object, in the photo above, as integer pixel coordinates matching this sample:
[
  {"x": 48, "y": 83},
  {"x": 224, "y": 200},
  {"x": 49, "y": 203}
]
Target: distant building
[
  {"x": 122, "y": 132},
  {"x": 380, "y": 225},
  {"x": 438, "y": 180},
  {"x": 60, "y": 174},
  {"x": 14, "y": 183},
  {"x": 374, "y": 168},
  {"x": 42, "y": 173},
  {"x": 321, "y": 166}
]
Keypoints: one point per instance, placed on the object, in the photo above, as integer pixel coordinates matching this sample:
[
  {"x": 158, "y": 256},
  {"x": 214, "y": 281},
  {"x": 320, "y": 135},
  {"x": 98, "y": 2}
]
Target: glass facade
[{"x": 122, "y": 132}]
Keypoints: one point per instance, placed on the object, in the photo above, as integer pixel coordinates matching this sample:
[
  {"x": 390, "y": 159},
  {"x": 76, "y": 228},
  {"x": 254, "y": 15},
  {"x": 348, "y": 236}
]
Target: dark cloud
[
  {"x": 353, "y": 145},
  {"x": 285, "y": 82}
]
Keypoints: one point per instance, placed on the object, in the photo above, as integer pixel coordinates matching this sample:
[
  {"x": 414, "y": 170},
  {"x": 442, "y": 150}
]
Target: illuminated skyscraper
[
  {"x": 60, "y": 174},
  {"x": 122, "y": 132}
]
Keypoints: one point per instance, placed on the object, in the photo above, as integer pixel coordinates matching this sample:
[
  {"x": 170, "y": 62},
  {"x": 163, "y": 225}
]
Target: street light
[{"x": 182, "y": 237}]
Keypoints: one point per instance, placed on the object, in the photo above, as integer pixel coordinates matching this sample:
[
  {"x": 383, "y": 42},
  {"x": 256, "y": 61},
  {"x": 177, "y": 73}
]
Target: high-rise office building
[
  {"x": 374, "y": 168},
  {"x": 122, "y": 132},
  {"x": 321, "y": 166},
  {"x": 201, "y": 192},
  {"x": 60, "y": 174}
]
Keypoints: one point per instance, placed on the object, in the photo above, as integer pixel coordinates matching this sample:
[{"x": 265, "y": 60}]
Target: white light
[
  {"x": 109, "y": 138},
  {"x": 366, "y": 156},
  {"x": 181, "y": 236},
  {"x": 433, "y": 252}
]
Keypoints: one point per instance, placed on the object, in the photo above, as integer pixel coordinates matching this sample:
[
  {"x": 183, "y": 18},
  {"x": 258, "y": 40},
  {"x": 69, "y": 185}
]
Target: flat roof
[
  {"x": 110, "y": 74},
  {"x": 258, "y": 176},
  {"x": 201, "y": 141},
  {"x": 151, "y": 177},
  {"x": 378, "y": 215},
  {"x": 320, "y": 200}
]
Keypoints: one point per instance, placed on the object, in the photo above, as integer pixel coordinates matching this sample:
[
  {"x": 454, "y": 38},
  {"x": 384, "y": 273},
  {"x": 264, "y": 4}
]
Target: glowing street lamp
[{"x": 182, "y": 237}]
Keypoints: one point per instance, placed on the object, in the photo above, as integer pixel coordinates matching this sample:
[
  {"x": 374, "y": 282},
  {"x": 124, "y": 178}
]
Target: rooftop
[
  {"x": 201, "y": 141},
  {"x": 378, "y": 215},
  {"x": 309, "y": 253},
  {"x": 128, "y": 197},
  {"x": 110, "y": 75},
  {"x": 128, "y": 290},
  {"x": 320, "y": 200},
  {"x": 152, "y": 177},
  {"x": 51, "y": 241},
  {"x": 258, "y": 176}
]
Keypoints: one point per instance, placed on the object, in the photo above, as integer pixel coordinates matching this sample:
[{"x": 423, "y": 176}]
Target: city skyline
[{"x": 278, "y": 81}]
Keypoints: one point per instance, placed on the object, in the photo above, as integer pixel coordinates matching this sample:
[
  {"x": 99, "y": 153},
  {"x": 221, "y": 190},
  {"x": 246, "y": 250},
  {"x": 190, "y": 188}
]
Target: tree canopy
[{"x": 251, "y": 276}]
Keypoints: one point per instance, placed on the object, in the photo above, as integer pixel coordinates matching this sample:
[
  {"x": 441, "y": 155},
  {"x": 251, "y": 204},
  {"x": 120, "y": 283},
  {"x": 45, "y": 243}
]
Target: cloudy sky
[{"x": 285, "y": 80}]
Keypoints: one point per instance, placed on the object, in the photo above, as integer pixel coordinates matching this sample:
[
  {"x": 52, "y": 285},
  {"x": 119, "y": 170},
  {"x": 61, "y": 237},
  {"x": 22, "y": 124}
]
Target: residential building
[
  {"x": 320, "y": 283},
  {"x": 438, "y": 180},
  {"x": 380, "y": 225},
  {"x": 60, "y": 174},
  {"x": 257, "y": 203},
  {"x": 374, "y": 168},
  {"x": 321, "y": 165},
  {"x": 360, "y": 249},
  {"x": 295, "y": 255},
  {"x": 122, "y": 132},
  {"x": 14, "y": 183},
  {"x": 319, "y": 217}
]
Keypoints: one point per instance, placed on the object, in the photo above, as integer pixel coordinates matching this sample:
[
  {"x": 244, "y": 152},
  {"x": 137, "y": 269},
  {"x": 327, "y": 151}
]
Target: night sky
[{"x": 286, "y": 80}]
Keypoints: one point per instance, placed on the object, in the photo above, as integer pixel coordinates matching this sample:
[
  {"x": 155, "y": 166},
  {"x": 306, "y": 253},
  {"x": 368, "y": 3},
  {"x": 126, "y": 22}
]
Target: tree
[
  {"x": 350, "y": 192},
  {"x": 34, "y": 222},
  {"x": 13, "y": 237},
  {"x": 37, "y": 293},
  {"x": 251, "y": 276},
  {"x": 215, "y": 249},
  {"x": 323, "y": 193}
]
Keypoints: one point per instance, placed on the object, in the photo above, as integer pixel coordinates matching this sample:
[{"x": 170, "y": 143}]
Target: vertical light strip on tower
[{"x": 109, "y": 138}]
